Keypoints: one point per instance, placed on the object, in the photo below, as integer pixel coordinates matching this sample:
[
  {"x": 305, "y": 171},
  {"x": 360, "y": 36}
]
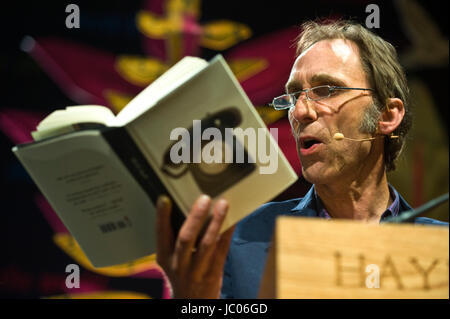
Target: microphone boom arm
[{"x": 410, "y": 214}]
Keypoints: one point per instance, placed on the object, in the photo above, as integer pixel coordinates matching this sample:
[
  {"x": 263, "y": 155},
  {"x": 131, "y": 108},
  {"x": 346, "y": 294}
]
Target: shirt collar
[{"x": 394, "y": 208}]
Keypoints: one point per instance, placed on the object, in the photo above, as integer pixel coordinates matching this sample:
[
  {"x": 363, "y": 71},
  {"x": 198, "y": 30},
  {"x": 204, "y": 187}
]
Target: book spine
[{"x": 131, "y": 156}]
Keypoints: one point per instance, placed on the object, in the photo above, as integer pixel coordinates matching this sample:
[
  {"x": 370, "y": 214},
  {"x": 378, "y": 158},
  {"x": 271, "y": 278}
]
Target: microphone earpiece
[{"x": 340, "y": 137}]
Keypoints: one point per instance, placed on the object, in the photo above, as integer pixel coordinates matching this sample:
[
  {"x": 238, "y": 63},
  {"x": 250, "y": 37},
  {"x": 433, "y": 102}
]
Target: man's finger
[
  {"x": 190, "y": 230},
  {"x": 164, "y": 233},
  {"x": 221, "y": 253},
  {"x": 210, "y": 238}
]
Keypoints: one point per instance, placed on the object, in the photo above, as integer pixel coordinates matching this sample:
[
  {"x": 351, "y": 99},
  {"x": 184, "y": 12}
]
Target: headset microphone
[{"x": 340, "y": 137}]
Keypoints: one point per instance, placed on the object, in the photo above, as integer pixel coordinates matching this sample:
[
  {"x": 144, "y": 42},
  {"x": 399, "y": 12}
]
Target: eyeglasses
[{"x": 289, "y": 100}]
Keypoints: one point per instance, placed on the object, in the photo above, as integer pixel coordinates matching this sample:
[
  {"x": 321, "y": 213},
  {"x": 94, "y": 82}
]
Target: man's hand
[{"x": 193, "y": 273}]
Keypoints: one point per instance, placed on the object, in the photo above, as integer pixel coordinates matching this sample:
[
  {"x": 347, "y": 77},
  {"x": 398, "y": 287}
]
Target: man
[{"x": 348, "y": 106}]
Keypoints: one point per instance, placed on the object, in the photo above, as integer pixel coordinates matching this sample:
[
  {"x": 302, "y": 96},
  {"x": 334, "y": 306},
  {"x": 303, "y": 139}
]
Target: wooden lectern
[{"x": 315, "y": 258}]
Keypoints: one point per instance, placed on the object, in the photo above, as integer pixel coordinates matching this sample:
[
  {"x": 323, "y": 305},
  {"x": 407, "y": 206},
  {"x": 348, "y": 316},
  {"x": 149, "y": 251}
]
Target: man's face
[{"x": 336, "y": 63}]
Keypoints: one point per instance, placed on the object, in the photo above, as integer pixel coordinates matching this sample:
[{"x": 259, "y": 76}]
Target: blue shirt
[{"x": 252, "y": 237}]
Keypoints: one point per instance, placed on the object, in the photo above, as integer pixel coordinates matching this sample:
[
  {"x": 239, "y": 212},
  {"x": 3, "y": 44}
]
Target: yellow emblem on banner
[
  {"x": 223, "y": 34},
  {"x": 246, "y": 68},
  {"x": 179, "y": 19},
  {"x": 140, "y": 71},
  {"x": 160, "y": 27},
  {"x": 70, "y": 246},
  {"x": 156, "y": 27},
  {"x": 190, "y": 7}
]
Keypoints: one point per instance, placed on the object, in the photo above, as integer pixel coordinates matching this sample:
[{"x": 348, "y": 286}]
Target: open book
[{"x": 192, "y": 131}]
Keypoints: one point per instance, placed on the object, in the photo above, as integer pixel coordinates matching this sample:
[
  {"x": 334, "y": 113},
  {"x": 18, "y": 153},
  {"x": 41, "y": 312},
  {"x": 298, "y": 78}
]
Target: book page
[
  {"x": 64, "y": 121},
  {"x": 95, "y": 196},
  {"x": 166, "y": 83}
]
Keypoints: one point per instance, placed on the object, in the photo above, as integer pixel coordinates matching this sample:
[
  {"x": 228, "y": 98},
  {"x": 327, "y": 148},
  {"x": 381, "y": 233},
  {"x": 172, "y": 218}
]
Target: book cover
[{"x": 190, "y": 132}]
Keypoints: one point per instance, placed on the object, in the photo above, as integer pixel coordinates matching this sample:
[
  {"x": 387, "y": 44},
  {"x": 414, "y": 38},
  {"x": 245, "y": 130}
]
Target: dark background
[{"x": 28, "y": 256}]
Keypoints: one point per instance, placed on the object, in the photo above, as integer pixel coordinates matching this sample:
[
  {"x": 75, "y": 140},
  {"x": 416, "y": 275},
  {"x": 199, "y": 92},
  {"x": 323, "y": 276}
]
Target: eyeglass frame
[{"x": 330, "y": 88}]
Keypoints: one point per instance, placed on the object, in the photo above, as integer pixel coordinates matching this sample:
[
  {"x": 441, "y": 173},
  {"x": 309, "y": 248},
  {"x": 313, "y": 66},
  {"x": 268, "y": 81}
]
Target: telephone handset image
[{"x": 213, "y": 178}]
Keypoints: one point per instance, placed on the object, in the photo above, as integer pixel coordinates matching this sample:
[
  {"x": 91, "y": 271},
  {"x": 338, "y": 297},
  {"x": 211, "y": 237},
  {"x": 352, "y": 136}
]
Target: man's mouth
[{"x": 308, "y": 142}]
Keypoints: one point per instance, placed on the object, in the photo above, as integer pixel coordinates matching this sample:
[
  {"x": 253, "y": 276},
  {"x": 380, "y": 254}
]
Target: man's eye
[{"x": 321, "y": 91}]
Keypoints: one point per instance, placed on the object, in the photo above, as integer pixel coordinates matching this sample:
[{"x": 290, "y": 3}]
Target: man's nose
[{"x": 304, "y": 110}]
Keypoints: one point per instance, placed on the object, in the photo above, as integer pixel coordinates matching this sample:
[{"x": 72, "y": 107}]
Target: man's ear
[{"x": 392, "y": 116}]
